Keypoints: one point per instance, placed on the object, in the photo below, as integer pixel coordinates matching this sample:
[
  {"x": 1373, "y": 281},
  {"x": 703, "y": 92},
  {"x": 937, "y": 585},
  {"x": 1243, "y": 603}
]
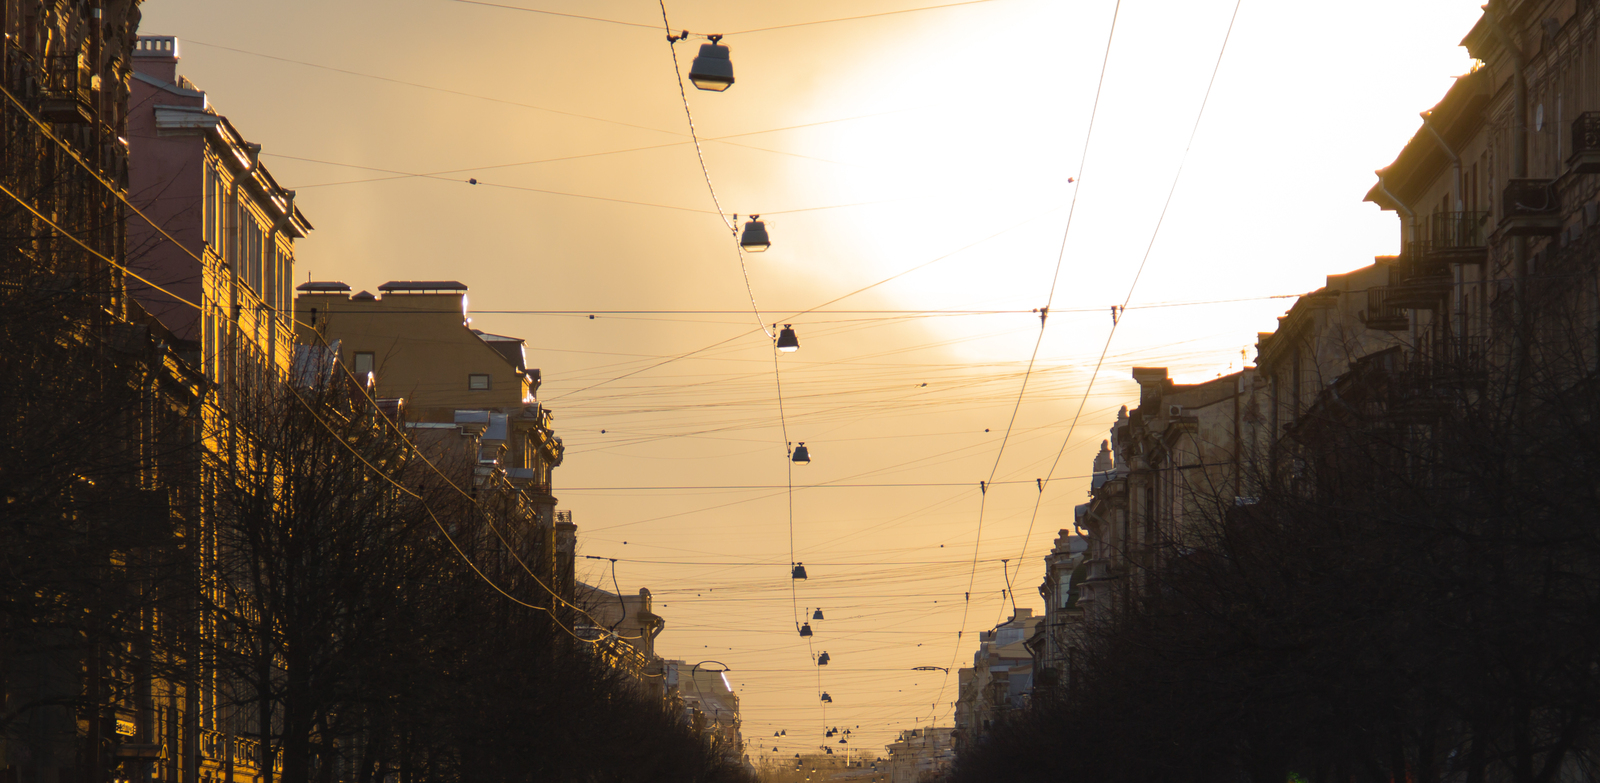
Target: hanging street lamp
[
  {"x": 817, "y": 615},
  {"x": 801, "y": 455},
  {"x": 805, "y": 629},
  {"x": 799, "y": 571},
  {"x": 712, "y": 70},
  {"x": 754, "y": 238},
  {"x": 787, "y": 341}
]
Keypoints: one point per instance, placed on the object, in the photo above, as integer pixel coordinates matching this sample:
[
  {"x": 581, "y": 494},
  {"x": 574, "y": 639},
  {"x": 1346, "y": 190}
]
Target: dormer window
[{"x": 478, "y": 382}]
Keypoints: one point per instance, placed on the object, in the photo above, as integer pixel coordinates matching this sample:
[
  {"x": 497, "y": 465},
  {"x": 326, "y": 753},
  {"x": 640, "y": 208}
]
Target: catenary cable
[
  {"x": 1199, "y": 115},
  {"x": 1083, "y": 159}
]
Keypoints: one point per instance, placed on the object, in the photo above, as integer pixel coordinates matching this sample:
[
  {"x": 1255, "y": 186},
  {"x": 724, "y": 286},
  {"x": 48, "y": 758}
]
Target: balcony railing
[
  {"x": 1417, "y": 280},
  {"x": 220, "y": 748},
  {"x": 68, "y": 90},
  {"x": 1530, "y": 207},
  {"x": 1382, "y": 313},
  {"x": 1457, "y": 238},
  {"x": 1585, "y": 158},
  {"x": 1450, "y": 361}
]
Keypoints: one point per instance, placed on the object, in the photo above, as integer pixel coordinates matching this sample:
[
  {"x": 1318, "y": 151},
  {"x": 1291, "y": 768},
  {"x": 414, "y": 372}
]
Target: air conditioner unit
[{"x": 1174, "y": 411}]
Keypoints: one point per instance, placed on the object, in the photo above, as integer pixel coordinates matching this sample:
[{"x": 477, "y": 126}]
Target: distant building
[
  {"x": 228, "y": 246},
  {"x": 626, "y": 628},
  {"x": 919, "y": 754},
  {"x": 707, "y": 702},
  {"x": 469, "y": 400},
  {"x": 1000, "y": 680},
  {"x": 1064, "y": 572},
  {"x": 1185, "y": 453}
]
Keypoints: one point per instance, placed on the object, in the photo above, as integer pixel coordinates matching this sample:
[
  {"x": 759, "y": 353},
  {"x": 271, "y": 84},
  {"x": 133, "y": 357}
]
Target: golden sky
[{"x": 941, "y": 137}]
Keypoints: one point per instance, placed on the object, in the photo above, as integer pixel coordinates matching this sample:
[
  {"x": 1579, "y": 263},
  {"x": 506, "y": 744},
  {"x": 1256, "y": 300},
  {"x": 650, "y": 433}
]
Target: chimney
[
  {"x": 156, "y": 56},
  {"x": 1152, "y": 384},
  {"x": 1103, "y": 461}
]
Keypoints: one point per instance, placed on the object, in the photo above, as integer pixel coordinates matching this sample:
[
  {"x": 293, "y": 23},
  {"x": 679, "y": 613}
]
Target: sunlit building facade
[
  {"x": 217, "y": 250},
  {"x": 1000, "y": 680}
]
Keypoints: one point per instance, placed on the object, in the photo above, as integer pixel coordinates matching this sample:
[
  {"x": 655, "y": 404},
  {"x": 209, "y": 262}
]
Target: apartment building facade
[
  {"x": 463, "y": 389},
  {"x": 1495, "y": 291},
  {"x": 216, "y": 255},
  {"x": 99, "y": 413}
]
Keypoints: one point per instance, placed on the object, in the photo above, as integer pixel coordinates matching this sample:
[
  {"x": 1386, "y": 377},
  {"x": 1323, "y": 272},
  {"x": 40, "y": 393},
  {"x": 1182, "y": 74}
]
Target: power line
[
  {"x": 1072, "y": 208},
  {"x": 863, "y": 16},
  {"x": 777, "y": 376},
  {"x": 558, "y": 13},
  {"x": 1200, "y": 114},
  {"x": 741, "y": 32},
  {"x": 801, "y": 486},
  {"x": 429, "y": 87}
]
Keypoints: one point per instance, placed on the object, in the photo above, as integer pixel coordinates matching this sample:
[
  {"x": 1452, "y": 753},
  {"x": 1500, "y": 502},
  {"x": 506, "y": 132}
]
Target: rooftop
[{"x": 422, "y": 286}]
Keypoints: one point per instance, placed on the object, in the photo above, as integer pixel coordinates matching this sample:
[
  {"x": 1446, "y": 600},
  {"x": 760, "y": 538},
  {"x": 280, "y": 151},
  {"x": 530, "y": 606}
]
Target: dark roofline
[
  {"x": 1457, "y": 115},
  {"x": 420, "y": 286},
  {"x": 323, "y": 287}
]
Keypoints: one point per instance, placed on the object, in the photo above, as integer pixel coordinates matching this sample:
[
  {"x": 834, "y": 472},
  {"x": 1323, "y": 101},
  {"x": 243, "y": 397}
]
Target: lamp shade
[
  {"x": 754, "y": 238},
  {"x": 826, "y": 697},
  {"x": 822, "y": 660},
  {"x": 787, "y": 341},
  {"x": 712, "y": 70},
  {"x": 799, "y": 571},
  {"x": 805, "y": 629},
  {"x": 801, "y": 455},
  {"x": 817, "y": 615}
]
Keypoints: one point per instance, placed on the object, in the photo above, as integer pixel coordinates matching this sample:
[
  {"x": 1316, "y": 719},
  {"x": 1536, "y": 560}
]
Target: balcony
[
  {"x": 1417, "y": 281},
  {"x": 1450, "y": 362},
  {"x": 1383, "y": 314},
  {"x": 1530, "y": 208},
  {"x": 1585, "y": 157},
  {"x": 68, "y": 90},
  {"x": 1457, "y": 238}
]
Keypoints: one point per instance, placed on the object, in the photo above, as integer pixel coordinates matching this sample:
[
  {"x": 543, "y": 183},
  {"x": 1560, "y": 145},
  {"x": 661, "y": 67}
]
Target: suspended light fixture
[
  {"x": 828, "y": 733},
  {"x": 799, "y": 571},
  {"x": 805, "y": 630},
  {"x": 817, "y": 615},
  {"x": 754, "y": 239},
  {"x": 785, "y": 732},
  {"x": 787, "y": 342},
  {"x": 801, "y": 455},
  {"x": 822, "y": 660},
  {"x": 712, "y": 69},
  {"x": 826, "y": 697}
]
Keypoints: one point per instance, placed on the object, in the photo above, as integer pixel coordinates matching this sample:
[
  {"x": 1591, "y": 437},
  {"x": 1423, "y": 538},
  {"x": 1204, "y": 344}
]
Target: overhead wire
[
  {"x": 992, "y": 475},
  {"x": 1094, "y": 112},
  {"x": 777, "y": 375},
  {"x": 741, "y": 32},
  {"x": 1177, "y": 176},
  {"x": 429, "y": 87}
]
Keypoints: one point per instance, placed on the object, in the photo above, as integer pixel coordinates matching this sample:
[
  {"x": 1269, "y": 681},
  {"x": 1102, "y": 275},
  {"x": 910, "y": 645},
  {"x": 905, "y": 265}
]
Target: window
[
  {"x": 478, "y": 382},
  {"x": 363, "y": 363}
]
